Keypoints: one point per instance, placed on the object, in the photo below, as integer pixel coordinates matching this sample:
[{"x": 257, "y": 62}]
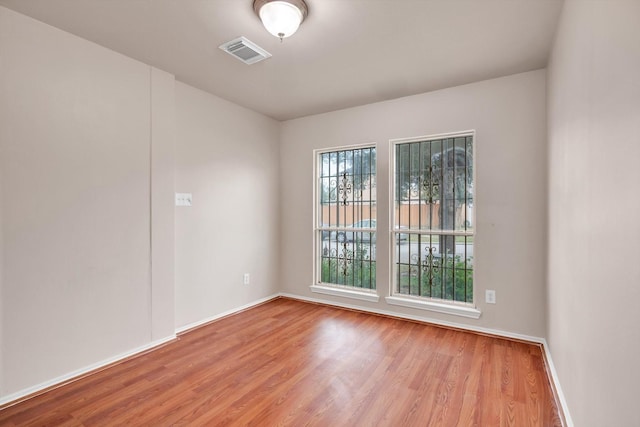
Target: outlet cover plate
[{"x": 490, "y": 296}]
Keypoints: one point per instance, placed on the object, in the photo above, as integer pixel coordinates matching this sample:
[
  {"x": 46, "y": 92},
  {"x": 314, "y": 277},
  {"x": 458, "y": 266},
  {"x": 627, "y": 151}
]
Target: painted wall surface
[
  {"x": 509, "y": 117},
  {"x": 162, "y": 204},
  {"x": 75, "y": 170},
  {"x": 594, "y": 210},
  {"x": 227, "y": 157}
]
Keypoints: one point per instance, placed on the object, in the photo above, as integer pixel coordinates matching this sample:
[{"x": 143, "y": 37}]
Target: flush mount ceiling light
[{"x": 281, "y": 17}]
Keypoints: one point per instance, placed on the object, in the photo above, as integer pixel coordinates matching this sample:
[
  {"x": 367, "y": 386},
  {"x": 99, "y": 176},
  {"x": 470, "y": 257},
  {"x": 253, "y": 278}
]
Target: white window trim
[
  {"x": 330, "y": 288},
  {"x": 469, "y": 310},
  {"x": 347, "y": 292},
  {"x": 440, "y": 306}
]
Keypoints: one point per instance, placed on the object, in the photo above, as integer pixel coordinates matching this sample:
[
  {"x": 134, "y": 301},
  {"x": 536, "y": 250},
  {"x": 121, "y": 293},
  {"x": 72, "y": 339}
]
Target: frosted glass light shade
[{"x": 281, "y": 18}]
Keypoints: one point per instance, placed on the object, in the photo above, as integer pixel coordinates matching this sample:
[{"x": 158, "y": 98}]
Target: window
[
  {"x": 433, "y": 220},
  {"x": 345, "y": 229}
]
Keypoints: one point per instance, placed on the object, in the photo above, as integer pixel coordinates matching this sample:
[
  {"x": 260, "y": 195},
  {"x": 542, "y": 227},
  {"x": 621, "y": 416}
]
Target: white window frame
[
  {"x": 457, "y": 308},
  {"x": 370, "y": 295}
]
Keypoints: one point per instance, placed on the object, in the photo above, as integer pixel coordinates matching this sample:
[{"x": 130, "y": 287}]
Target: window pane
[
  {"x": 347, "y": 202},
  {"x": 433, "y": 192},
  {"x": 434, "y": 185},
  {"x": 435, "y": 266}
]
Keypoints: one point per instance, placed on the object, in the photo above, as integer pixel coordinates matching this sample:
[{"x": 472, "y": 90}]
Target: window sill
[
  {"x": 457, "y": 310},
  {"x": 343, "y": 292}
]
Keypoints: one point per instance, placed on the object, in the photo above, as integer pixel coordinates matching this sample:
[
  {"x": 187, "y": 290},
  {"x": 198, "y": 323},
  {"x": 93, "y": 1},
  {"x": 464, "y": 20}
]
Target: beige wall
[
  {"x": 162, "y": 204},
  {"x": 594, "y": 154},
  {"x": 75, "y": 207},
  {"x": 508, "y": 115},
  {"x": 88, "y": 169},
  {"x": 227, "y": 157}
]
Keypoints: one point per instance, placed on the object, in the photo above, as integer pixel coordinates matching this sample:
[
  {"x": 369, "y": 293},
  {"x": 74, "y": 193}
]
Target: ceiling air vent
[{"x": 245, "y": 51}]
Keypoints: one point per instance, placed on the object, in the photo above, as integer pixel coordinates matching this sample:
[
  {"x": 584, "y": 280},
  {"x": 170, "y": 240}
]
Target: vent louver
[{"x": 245, "y": 50}]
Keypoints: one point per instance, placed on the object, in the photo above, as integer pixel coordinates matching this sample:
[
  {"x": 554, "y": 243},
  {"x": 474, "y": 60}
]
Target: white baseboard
[
  {"x": 506, "y": 334},
  {"x": 427, "y": 319},
  {"x": 81, "y": 372},
  {"x": 556, "y": 382},
  {"x": 201, "y": 322}
]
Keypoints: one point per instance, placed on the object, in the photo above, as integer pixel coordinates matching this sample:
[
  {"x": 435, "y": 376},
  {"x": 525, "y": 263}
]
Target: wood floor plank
[{"x": 291, "y": 363}]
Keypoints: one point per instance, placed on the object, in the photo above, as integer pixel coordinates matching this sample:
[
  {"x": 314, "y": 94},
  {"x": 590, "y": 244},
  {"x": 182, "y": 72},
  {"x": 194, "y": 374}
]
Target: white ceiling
[{"x": 346, "y": 53}]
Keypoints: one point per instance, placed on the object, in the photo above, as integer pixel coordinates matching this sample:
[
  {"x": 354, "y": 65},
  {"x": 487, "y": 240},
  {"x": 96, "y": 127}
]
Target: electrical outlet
[
  {"x": 490, "y": 296},
  {"x": 246, "y": 279}
]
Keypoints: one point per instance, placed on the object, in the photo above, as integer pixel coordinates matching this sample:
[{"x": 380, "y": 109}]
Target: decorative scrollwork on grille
[
  {"x": 429, "y": 186},
  {"x": 345, "y": 259},
  {"x": 345, "y": 188},
  {"x": 430, "y": 264}
]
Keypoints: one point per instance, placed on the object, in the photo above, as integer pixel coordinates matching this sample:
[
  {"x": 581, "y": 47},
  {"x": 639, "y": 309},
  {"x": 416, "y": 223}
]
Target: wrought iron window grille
[
  {"x": 433, "y": 193},
  {"x": 346, "y": 215}
]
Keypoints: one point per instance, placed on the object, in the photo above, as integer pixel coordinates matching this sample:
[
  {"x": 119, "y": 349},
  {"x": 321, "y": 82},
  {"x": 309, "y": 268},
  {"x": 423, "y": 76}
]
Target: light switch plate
[{"x": 184, "y": 199}]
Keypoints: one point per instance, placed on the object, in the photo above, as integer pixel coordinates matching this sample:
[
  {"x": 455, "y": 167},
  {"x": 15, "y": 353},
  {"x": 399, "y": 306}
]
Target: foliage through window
[
  {"x": 346, "y": 217},
  {"x": 433, "y": 218}
]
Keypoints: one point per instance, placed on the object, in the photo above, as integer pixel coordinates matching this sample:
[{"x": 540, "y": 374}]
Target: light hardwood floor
[{"x": 288, "y": 362}]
